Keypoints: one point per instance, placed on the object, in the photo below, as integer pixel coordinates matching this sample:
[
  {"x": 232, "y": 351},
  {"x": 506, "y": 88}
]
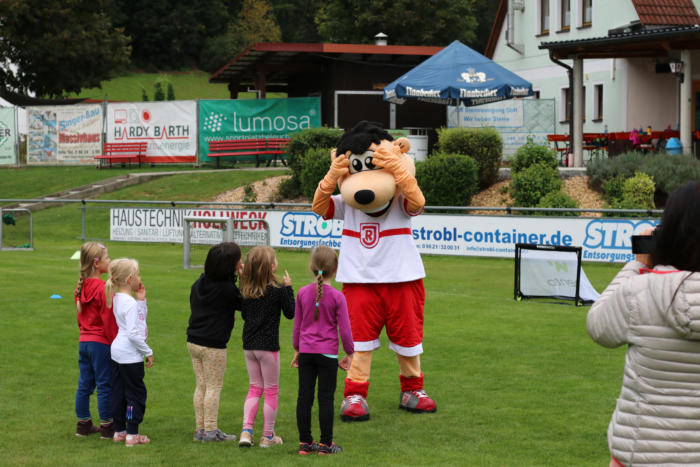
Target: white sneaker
[
  {"x": 246, "y": 439},
  {"x": 266, "y": 443}
]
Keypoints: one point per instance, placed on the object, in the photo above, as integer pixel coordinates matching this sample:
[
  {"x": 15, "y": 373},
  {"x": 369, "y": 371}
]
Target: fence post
[
  {"x": 186, "y": 245},
  {"x": 83, "y": 208},
  {"x": 228, "y": 233}
]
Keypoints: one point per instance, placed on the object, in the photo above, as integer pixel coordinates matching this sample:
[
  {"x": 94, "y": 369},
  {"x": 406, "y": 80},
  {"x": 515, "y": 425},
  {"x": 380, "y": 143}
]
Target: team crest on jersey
[{"x": 369, "y": 234}]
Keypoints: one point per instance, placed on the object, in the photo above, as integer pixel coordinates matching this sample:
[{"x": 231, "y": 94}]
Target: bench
[
  {"x": 249, "y": 147},
  {"x": 122, "y": 152}
]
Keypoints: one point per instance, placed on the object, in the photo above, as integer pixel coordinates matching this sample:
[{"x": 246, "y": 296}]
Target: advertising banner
[
  {"x": 68, "y": 134},
  {"x": 169, "y": 128},
  {"x": 8, "y": 136},
  {"x": 255, "y": 118},
  {"x": 515, "y": 120},
  {"x": 602, "y": 240}
]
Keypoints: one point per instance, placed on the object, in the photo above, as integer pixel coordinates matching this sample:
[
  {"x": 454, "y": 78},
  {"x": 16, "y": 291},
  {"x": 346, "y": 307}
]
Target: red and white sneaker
[
  {"x": 354, "y": 408},
  {"x": 119, "y": 436},
  {"x": 417, "y": 401}
]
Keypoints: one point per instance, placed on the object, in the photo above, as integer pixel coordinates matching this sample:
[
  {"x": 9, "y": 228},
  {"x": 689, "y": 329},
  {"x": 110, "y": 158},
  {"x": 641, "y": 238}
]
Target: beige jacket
[{"x": 657, "y": 416}]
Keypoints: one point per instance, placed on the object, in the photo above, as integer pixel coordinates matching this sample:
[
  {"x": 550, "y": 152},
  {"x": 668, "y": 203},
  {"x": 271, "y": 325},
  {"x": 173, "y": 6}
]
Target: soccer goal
[
  {"x": 207, "y": 231},
  {"x": 552, "y": 272}
]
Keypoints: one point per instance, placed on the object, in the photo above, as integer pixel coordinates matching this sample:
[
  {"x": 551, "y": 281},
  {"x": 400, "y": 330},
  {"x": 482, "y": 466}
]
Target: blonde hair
[
  {"x": 257, "y": 272},
  {"x": 324, "y": 263},
  {"x": 119, "y": 271},
  {"x": 90, "y": 253}
]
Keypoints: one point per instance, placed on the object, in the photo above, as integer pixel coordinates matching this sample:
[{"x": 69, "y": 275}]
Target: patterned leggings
[
  {"x": 264, "y": 373},
  {"x": 209, "y": 366}
]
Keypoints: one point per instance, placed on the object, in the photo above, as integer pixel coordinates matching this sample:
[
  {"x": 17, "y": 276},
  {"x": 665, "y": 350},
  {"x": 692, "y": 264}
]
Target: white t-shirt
[
  {"x": 130, "y": 344},
  {"x": 377, "y": 249}
]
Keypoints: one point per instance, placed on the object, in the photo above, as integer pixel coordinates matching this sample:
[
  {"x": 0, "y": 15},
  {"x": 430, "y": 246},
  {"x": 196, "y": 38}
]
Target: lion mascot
[{"x": 379, "y": 266}]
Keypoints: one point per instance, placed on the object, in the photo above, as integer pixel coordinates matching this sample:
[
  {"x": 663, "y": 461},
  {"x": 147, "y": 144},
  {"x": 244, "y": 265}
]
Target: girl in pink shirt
[{"x": 321, "y": 312}]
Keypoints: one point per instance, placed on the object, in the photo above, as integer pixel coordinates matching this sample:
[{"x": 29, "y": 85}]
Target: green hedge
[
  {"x": 299, "y": 144},
  {"x": 447, "y": 179},
  {"x": 484, "y": 145},
  {"x": 315, "y": 164},
  {"x": 529, "y": 185},
  {"x": 532, "y": 153},
  {"x": 557, "y": 199}
]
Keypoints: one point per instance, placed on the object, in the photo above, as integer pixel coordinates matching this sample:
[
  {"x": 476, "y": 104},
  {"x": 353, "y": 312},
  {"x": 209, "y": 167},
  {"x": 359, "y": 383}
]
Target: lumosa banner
[{"x": 255, "y": 118}]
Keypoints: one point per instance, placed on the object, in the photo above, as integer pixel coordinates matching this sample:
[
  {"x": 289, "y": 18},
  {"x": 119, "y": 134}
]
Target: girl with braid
[
  {"x": 321, "y": 313},
  {"x": 97, "y": 331}
]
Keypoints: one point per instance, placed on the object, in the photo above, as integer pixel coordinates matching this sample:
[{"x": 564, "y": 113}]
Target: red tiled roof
[{"x": 666, "y": 12}]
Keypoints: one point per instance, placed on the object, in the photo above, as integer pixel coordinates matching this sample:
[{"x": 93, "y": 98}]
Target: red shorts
[{"x": 396, "y": 306}]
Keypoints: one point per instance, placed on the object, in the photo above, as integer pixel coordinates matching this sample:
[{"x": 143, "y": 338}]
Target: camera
[{"x": 644, "y": 244}]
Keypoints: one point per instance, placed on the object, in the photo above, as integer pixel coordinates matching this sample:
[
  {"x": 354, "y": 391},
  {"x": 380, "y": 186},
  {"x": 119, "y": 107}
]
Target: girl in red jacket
[{"x": 98, "y": 329}]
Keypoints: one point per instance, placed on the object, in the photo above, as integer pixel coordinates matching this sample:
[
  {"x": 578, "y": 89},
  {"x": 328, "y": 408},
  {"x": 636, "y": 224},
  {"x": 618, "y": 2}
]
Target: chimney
[{"x": 380, "y": 39}]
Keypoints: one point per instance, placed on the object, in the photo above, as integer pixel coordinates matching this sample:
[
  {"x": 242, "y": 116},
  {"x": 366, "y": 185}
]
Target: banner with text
[
  {"x": 68, "y": 134},
  {"x": 8, "y": 136},
  {"x": 255, "y": 118},
  {"x": 602, "y": 240},
  {"x": 169, "y": 128},
  {"x": 515, "y": 120}
]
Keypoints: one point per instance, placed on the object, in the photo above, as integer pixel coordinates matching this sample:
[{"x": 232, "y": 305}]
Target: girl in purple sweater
[{"x": 321, "y": 311}]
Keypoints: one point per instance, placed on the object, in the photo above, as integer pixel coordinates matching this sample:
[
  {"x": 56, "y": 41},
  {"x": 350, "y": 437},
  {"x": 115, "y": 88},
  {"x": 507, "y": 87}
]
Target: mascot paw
[
  {"x": 417, "y": 401},
  {"x": 354, "y": 409}
]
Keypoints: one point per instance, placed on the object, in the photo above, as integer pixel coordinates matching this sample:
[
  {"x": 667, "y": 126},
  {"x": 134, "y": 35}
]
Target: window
[
  {"x": 564, "y": 97},
  {"x": 544, "y": 16},
  {"x": 564, "y": 15},
  {"x": 586, "y": 12},
  {"x": 598, "y": 102}
]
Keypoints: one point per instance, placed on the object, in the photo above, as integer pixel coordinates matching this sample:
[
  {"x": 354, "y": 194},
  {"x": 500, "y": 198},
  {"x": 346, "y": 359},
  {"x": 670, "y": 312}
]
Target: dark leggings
[
  {"x": 128, "y": 396},
  {"x": 325, "y": 369}
]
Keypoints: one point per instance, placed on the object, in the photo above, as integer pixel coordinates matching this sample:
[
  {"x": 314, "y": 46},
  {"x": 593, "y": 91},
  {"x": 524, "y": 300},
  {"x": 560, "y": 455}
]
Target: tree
[
  {"x": 53, "y": 47},
  {"x": 158, "y": 94},
  {"x": 296, "y": 19},
  {"x": 406, "y": 22},
  {"x": 256, "y": 22}
]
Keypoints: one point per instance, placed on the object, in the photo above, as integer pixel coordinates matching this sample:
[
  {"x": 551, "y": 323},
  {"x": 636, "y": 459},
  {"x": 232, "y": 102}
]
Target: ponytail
[
  {"x": 319, "y": 292},
  {"x": 90, "y": 253},
  {"x": 78, "y": 291}
]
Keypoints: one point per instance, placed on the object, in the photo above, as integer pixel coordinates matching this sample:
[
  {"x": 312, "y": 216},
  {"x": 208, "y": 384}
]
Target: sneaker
[
  {"x": 85, "y": 428},
  {"x": 354, "y": 408},
  {"x": 107, "y": 430},
  {"x": 198, "y": 435},
  {"x": 246, "y": 440},
  {"x": 216, "y": 436},
  {"x": 417, "y": 401},
  {"x": 324, "y": 449},
  {"x": 119, "y": 436},
  {"x": 133, "y": 440},
  {"x": 308, "y": 448},
  {"x": 266, "y": 442}
]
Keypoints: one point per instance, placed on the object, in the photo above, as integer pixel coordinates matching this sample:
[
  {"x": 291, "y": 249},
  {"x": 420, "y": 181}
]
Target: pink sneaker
[
  {"x": 354, "y": 408},
  {"x": 119, "y": 436},
  {"x": 133, "y": 440}
]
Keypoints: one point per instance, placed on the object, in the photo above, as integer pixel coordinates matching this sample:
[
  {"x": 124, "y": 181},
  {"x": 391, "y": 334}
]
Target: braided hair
[
  {"x": 90, "y": 253},
  {"x": 324, "y": 263}
]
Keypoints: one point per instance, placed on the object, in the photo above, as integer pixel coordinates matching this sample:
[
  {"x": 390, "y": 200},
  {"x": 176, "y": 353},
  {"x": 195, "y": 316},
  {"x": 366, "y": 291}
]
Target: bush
[
  {"x": 529, "y": 185},
  {"x": 312, "y": 138},
  {"x": 484, "y": 145},
  {"x": 670, "y": 171},
  {"x": 624, "y": 165},
  {"x": 612, "y": 188},
  {"x": 447, "y": 179},
  {"x": 639, "y": 190},
  {"x": 288, "y": 188},
  {"x": 532, "y": 153},
  {"x": 558, "y": 199},
  {"x": 315, "y": 163}
]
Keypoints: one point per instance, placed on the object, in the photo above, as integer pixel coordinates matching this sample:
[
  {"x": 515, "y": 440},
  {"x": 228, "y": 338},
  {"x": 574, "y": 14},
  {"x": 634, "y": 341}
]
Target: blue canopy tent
[{"x": 457, "y": 75}]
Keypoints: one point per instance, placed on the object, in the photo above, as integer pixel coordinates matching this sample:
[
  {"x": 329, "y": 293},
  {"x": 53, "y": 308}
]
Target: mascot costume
[{"x": 380, "y": 267}]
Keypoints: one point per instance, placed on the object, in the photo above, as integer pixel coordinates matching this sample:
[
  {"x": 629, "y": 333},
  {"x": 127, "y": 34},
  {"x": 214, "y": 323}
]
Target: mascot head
[{"x": 369, "y": 188}]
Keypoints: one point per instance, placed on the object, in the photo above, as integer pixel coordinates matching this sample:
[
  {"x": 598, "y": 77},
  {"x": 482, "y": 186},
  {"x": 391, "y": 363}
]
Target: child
[
  {"x": 263, "y": 297},
  {"x": 97, "y": 331},
  {"x": 321, "y": 312},
  {"x": 128, "y": 350},
  {"x": 214, "y": 298}
]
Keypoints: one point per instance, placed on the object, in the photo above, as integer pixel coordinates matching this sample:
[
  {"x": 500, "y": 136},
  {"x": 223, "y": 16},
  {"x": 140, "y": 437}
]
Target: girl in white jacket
[
  {"x": 653, "y": 306},
  {"x": 129, "y": 349}
]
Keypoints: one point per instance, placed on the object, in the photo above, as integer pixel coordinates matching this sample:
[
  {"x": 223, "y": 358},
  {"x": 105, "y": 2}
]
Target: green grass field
[{"x": 516, "y": 383}]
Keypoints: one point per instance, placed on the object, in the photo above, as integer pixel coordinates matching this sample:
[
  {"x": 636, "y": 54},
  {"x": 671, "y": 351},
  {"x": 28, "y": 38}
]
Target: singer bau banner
[
  {"x": 169, "y": 128},
  {"x": 67, "y": 134},
  {"x": 8, "y": 136}
]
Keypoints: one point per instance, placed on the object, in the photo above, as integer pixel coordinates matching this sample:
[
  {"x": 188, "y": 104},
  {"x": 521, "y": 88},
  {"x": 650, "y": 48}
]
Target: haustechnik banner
[
  {"x": 255, "y": 118},
  {"x": 602, "y": 240},
  {"x": 169, "y": 128},
  {"x": 64, "y": 134},
  {"x": 8, "y": 136}
]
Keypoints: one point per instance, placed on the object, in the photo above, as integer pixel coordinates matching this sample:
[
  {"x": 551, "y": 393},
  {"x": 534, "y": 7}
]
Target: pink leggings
[{"x": 264, "y": 374}]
